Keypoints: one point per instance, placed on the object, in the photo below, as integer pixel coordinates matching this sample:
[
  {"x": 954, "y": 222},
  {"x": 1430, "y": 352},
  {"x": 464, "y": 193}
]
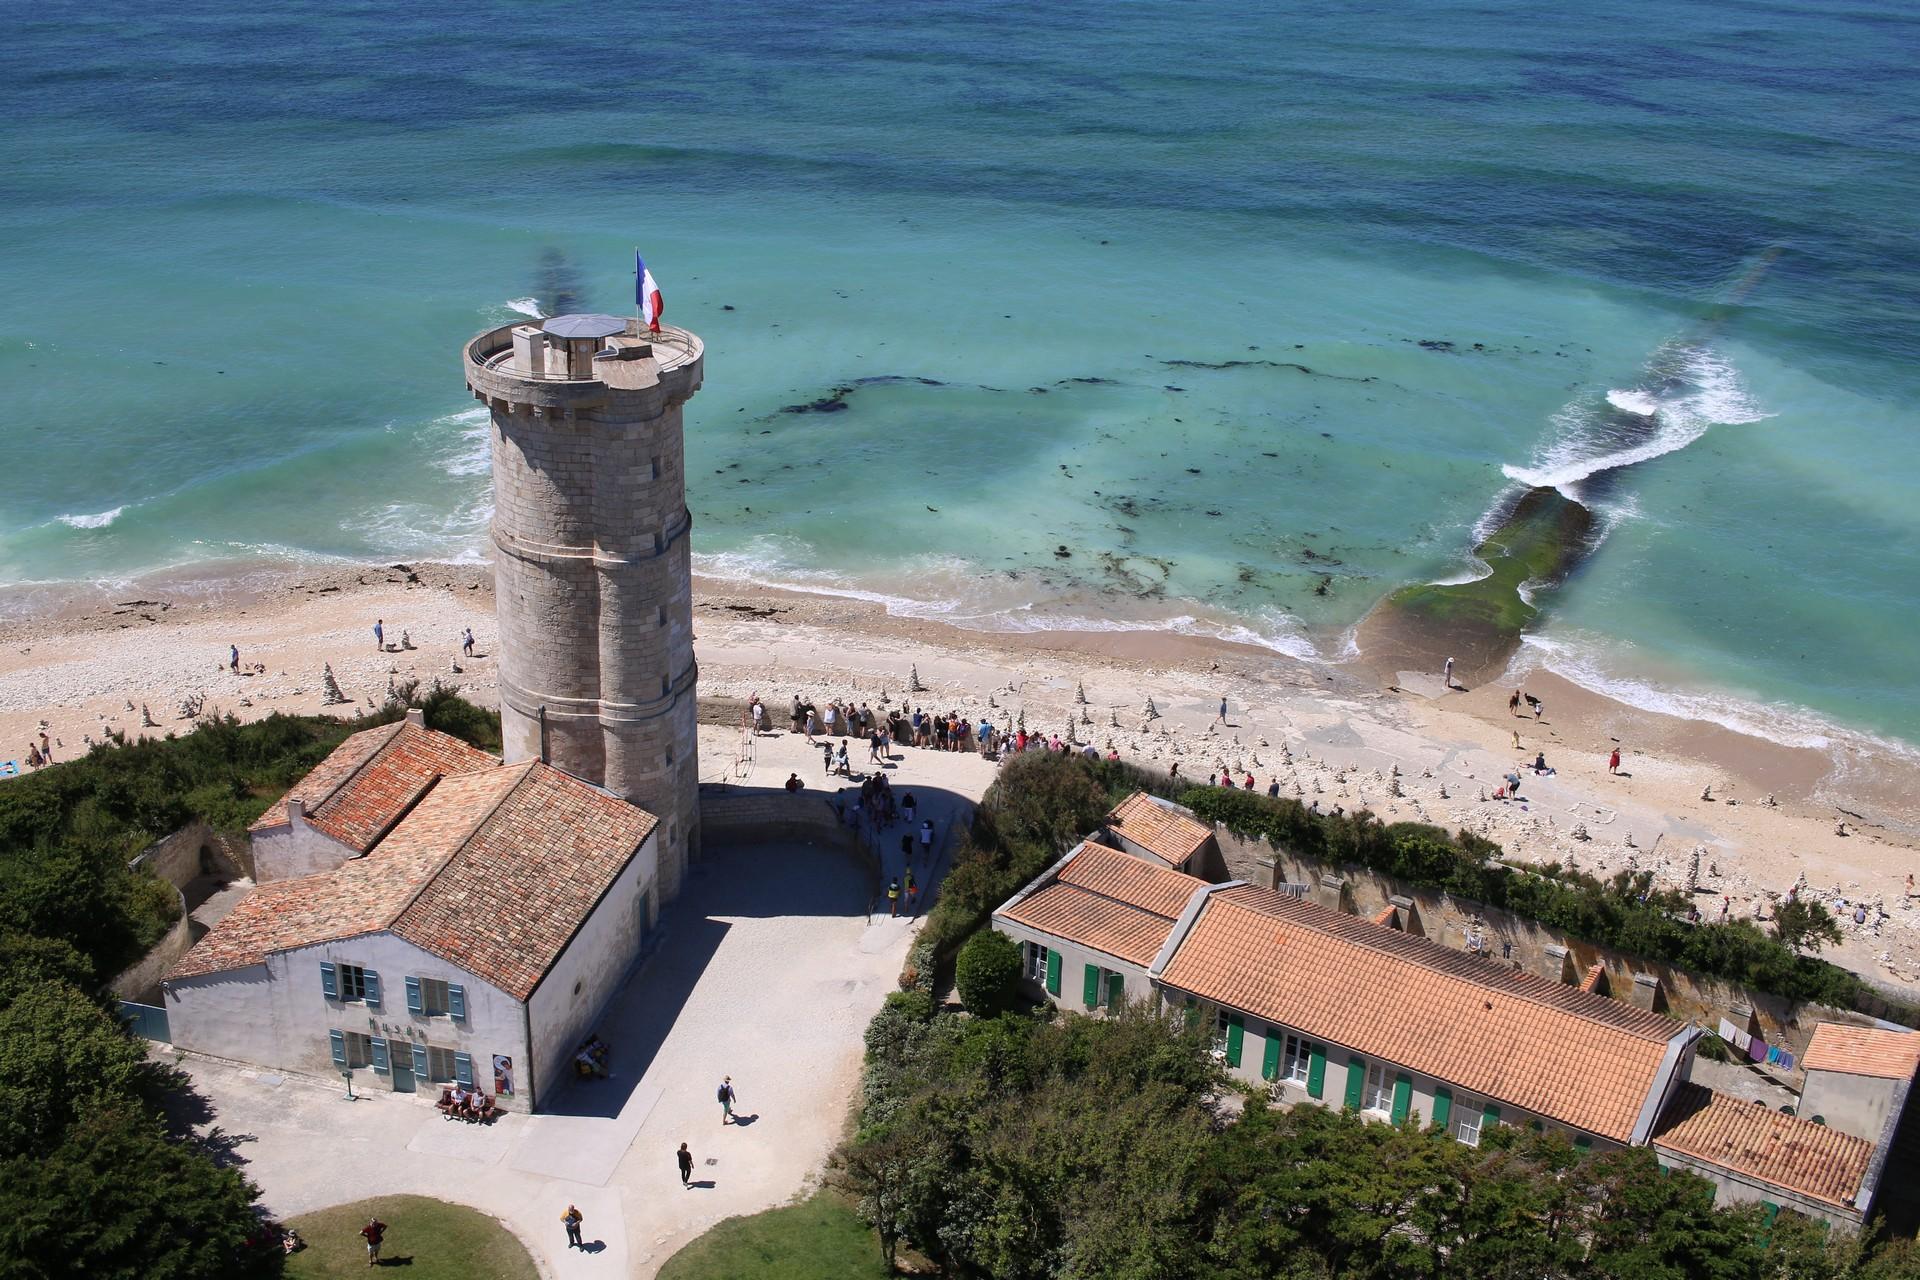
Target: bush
[{"x": 988, "y": 973}]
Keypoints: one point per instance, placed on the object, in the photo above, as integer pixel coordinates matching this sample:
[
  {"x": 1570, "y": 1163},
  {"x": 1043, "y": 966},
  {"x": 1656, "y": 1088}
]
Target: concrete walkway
[{"x": 768, "y": 969}]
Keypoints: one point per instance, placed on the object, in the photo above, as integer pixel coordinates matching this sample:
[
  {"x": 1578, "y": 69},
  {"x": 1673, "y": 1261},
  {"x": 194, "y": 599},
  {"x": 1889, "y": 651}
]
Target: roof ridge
[
  {"x": 526, "y": 768},
  {"x": 1118, "y": 902},
  {"x": 1390, "y": 942}
]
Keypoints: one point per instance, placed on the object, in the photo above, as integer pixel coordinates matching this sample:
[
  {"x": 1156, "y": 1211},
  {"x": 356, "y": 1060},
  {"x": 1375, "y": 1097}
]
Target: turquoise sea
[{"x": 1255, "y": 315}]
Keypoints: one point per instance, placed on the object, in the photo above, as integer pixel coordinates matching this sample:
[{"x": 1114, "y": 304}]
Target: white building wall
[
  {"x": 283, "y": 853},
  {"x": 572, "y": 997},
  {"x": 276, "y": 1014},
  {"x": 1073, "y": 962}
]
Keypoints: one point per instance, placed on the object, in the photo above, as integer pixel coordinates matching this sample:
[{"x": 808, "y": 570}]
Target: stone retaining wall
[
  {"x": 747, "y": 816},
  {"x": 195, "y": 850}
]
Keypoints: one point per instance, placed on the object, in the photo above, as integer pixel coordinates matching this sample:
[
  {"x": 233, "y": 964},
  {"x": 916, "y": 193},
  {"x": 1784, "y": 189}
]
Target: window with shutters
[
  {"x": 1378, "y": 1094},
  {"x": 1036, "y": 962},
  {"x": 1467, "y": 1114},
  {"x": 1294, "y": 1060},
  {"x": 353, "y": 982},
  {"x": 439, "y": 1063},
  {"x": 1222, "y": 1024},
  {"x": 359, "y": 1048}
]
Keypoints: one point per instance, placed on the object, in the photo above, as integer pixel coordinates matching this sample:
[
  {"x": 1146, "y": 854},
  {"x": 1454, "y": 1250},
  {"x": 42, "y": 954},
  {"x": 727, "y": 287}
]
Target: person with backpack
[{"x": 726, "y": 1100}]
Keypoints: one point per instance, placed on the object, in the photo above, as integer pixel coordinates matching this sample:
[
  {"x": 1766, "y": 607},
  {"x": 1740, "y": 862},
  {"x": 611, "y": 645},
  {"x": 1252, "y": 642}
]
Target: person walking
[
  {"x": 926, "y": 836},
  {"x": 893, "y": 897},
  {"x": 686, "y": 1165},
  {"x": 726, "y": 1101},
  {"x": 573, "y": 1218},
  {"x": 373, "y": 1233},
  {"x": 1613, "y": 761},
  {"x": 1222, "y": 717},
  {"x": 907, "y": 805},
  {"x": 233, "y": 657},
  {"x": 466, "y": 642},
  {"x": 1513, "y": 703},
  {"x": 380, "y": 634}
]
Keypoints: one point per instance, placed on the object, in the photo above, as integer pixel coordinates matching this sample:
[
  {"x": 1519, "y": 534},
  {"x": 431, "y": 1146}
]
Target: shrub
[{"x": 988, "y": 973}]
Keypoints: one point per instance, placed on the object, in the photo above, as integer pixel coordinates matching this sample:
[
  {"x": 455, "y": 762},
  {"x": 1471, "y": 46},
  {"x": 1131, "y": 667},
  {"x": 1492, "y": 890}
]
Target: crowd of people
[{"x": 903, "y": 726}]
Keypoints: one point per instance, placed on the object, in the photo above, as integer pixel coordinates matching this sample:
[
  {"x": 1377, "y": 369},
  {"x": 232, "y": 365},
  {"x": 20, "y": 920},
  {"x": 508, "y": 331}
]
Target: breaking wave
[
  {"x": 99, "y": 520},
  {"x": 527, "y": 307}
]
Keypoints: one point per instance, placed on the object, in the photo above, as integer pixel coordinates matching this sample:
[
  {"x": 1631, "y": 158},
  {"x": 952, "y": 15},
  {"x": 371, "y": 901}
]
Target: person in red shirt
[
  {"x": 374, "y": 1232},
  {"x": 1613, "y": 761}
]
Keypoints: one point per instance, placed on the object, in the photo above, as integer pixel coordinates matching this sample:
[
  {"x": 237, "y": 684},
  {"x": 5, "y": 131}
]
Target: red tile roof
[
  {"x": 1545, "y": 1047},
  {"x": 1759, "y": 1142},
  {"x": 1592, "y": 981},
  {"x": 1863, "y": 1051},
  {"x": 1109, "y": 901},
  {"x": 368, "y": 781},
  {"x": 1160, "y": 827},
  {"x": 494, "y": 871}
]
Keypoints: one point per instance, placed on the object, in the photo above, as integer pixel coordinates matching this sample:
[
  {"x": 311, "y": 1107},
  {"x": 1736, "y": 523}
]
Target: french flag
[{"x": 646, "y": 294}]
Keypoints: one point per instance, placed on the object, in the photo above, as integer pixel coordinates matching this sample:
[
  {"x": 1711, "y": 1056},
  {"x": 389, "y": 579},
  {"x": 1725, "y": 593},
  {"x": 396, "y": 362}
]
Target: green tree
[
  {"x": 1804, "y": 926},
  {"x": 988, "y": 973},
  {"x": 61, "y": 1056}
]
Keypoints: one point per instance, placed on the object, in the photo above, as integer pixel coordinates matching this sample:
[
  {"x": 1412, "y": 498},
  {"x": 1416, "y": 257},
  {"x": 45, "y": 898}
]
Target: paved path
[{"x": 768, "y": 969}]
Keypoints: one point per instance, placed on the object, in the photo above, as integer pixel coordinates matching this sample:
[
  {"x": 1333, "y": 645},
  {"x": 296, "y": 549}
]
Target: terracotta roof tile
[
  {"x": 1863, "y": 1051},
  {"x": 1160, "y": 827},
  {"x": 1385, "y": 916},
  {"x": 494, "y": 871},
  {"x": 1810, "y": 1158},
  {"x": 1580, "y": 1059},
  {"x": 1592, "y": 981},
  {"x": 368, "y": 781},
  {"x": 1110, "y": 901}
]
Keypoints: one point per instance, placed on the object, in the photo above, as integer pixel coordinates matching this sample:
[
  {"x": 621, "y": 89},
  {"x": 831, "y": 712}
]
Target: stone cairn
[
  {"x": 330, "y": 694},
  {"x": 913, "y": 682}
]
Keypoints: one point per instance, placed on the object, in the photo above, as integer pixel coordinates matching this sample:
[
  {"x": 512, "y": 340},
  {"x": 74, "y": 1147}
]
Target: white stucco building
[{"x": 476, "y": 938}]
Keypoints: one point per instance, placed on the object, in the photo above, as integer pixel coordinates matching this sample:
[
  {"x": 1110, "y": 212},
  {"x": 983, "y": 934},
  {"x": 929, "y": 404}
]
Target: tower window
[
  {"x": 659, "y": 543},
  {"x": 663, "y": 615},
  {"x": 664, "y": 686},
  {"x": 656, "y": 466}
]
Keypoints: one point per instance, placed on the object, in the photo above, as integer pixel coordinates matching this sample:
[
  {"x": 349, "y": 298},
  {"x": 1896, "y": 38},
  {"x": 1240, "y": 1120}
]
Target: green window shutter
[
  {"x": 1442, "y": 1106},
  {"x": 456, "y": 1002},
  {"x": 373, "y": 989},
  {"x": 1116, "y": 991},
  {"x": 1402, "y": 1097},
  {"x": 338, "y": 1043},
  {"x": 1316, "y": 1070},
  {"x": 414, "y": 1003},
  {"x": 1489, "y": 1118},
  {"x": 422, "y": 1070},
  {"x": 1193, "y": 1014},
  {"x": 1766, "y": 1223},
  {"x": 1582, "y": 1142},
  {"x": 329, "y": 982},
  {"x": 1236, "y": 1038},
  {"x": 1356, "y": 1081},
  {"x": 380, "y": 1054},
  {"x": 1053, "y": 972},
  {"x": 1270, "y": 1060},
  {"x": 463, "y": 1068},
  {"x": 1090, "y": 985}
]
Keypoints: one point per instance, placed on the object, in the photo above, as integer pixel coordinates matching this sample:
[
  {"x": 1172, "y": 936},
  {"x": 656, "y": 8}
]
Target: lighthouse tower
[{"x": 592, "y": 576}]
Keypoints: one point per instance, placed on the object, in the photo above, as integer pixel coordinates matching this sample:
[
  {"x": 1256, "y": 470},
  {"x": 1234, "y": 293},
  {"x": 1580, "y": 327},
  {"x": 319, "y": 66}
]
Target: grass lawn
[
  {"x": 817, "y": 1239},
  {"x": 432, "y": 1239}
]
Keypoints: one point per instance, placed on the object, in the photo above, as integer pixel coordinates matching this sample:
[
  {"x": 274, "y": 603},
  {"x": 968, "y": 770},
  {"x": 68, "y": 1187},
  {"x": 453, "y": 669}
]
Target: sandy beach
[{"x": 1760, "y": 815}]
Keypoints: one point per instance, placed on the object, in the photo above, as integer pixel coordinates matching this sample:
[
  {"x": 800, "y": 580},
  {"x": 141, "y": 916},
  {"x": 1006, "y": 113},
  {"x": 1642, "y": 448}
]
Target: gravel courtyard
[{"x": 768, "y": 970}]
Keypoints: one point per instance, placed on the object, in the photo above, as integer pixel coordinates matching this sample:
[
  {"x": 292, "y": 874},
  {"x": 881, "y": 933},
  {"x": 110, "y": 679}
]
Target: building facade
[{"x": 592, "y": 573}]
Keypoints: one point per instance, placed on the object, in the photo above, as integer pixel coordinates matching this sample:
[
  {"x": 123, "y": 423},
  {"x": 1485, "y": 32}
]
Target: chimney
[
  {"x": 417, "y": 716},
  {"x": 296, "y": 812}
]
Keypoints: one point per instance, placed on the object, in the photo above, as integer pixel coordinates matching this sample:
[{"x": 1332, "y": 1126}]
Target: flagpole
[{"x": 636, "y": 289}]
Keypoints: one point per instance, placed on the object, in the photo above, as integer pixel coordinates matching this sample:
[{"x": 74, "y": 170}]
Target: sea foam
[{"x": 98, "y": 520}]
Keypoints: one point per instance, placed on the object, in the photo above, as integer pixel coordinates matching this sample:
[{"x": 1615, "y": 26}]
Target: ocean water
[{"x": 1122, "y": 315}]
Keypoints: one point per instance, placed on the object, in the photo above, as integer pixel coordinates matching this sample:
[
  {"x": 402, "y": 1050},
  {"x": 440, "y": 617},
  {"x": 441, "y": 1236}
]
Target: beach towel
[{"x": 1757, "y": 1051}]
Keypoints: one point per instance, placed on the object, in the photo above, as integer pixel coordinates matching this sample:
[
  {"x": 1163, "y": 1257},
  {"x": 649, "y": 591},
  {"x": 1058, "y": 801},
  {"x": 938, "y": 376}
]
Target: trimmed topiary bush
[{"x": 988, "y": 973}]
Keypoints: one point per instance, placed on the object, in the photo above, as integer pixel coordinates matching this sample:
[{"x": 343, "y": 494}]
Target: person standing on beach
[
  {"x": 233, "y": 657},
  {"x": 46, "y": 748},
  {"x": 1222, "y": 718},
  {"x": 1513, "y": 704},
  {"x": 1613, "y": 761},
  {"x": 466, "y": 642},
  {"x": 1446, "y": 673},
  {"x": 572, "y": 1218},
  {"x": 686, "y": 1165},
  {"x": 380, "y": 634},
  {"x": 726, "y": 1101}
]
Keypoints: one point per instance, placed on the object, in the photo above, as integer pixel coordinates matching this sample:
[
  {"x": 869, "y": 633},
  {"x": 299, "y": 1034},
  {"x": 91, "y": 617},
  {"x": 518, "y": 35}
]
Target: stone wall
[
  {"x": 196, "y": 850},
  {"x": 1507, "y": 939},
  {"x": 748, "y": 816},
  {"x": 140, "y": 981}
]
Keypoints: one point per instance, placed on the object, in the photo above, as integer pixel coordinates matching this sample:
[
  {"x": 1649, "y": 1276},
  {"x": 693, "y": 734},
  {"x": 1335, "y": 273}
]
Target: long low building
[
  {"x": 475, "y": 940},
  {"x": 1322, "y": 1006}
]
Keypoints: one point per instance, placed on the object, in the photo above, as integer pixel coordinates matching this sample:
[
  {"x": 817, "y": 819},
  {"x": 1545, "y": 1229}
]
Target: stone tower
[{"x": 592, "y": 576}]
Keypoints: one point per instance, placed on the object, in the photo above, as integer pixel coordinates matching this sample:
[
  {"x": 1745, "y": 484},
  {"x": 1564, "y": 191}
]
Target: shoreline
[{"x": 1333, "y": 733}]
